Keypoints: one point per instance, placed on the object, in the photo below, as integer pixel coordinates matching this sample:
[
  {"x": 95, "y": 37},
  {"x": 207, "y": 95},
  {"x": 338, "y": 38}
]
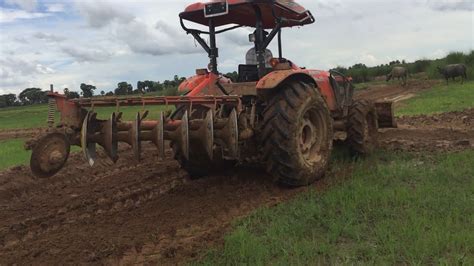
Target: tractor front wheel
[
  {"x": 362, "y": 128},
  {"x": 297, "y": 135}
]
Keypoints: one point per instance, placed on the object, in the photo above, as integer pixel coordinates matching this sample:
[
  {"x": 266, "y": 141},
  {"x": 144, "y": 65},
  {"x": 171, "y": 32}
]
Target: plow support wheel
[{"x": 49, "y": 155}]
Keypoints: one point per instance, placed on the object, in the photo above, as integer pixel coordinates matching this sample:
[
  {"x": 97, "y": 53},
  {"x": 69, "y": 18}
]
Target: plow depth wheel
[
  {"x": 49, "y": 155},
  {"x": 362, "y": 128},
  {"x": 297, "y": 135}
]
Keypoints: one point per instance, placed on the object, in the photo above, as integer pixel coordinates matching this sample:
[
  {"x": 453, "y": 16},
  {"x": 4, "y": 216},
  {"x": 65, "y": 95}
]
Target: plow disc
[
  {"x": 104, "y": 134},
  {"x": 204, "y": 132},
  {"x": 110, "y": 132}
]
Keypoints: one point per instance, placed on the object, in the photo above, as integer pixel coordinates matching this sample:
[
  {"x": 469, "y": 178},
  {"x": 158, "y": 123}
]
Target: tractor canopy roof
[{"x": 242, "y": 12}]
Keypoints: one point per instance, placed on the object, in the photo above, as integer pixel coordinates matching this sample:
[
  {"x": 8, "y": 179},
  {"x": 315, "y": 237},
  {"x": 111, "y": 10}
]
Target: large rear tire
[
  {"x": 362, "y": 132},
  {"x": 297, "y": 135}
]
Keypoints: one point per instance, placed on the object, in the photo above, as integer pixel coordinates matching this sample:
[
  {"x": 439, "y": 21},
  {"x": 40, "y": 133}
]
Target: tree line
[
  {"x": 32, "y": 96},
  {"x": 358, "y": 72},
  {"x": 362, "y": 73}
]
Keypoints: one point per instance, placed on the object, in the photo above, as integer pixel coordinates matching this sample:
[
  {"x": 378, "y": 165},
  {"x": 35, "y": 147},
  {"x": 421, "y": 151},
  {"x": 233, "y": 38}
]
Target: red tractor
[{"x": 276, "y": 113}]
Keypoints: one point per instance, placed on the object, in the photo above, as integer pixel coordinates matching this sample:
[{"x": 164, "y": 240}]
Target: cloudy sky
[{"x": 103, "y": 42}]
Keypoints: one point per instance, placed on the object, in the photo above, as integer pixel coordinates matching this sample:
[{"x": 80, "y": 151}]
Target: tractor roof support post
[
  {"x": 259, "y": 43},
  {"x": 214, "y": 51},
  {"x": 280, "y": 49},
  {"x": 271, "y": 36},
  {"x": 201, "y": 42}
]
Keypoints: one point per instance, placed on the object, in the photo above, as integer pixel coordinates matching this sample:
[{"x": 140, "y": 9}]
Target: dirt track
[
  {"x": 6, "y": 134},
  {"x": 151, "y": 211}
]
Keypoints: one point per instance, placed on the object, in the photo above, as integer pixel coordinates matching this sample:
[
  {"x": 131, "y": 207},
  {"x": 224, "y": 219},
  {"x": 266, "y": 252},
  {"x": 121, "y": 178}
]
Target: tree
[
  {"x": 33, "y": 96},
  {"x": 109, "y": 93},
  {"x": 124, "y": 88},
  {"x": 7, "y": 100},
  {"x": 102, "y": 93},
  {"x": 234, "y": 76},
  {"x": 141, "y": 86},
  {"x": 87, "y": 90},
  {"x": 156, "y": 86},
  {"x": 71, "y": 94}
]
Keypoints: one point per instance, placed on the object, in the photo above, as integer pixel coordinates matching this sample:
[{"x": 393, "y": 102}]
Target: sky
[{"x": 103, "y": 42}]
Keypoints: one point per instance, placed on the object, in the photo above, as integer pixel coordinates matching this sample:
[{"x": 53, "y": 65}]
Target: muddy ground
[
  {"x": 150, "y": 212},
  {"x": 7, "y": 134}
]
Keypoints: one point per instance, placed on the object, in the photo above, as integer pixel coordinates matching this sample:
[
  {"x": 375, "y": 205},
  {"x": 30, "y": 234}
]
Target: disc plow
[{"x": 207, "y": 122}]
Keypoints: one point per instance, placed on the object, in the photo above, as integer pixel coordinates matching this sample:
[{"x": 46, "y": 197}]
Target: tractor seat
[{"x": 248, "y": 73}]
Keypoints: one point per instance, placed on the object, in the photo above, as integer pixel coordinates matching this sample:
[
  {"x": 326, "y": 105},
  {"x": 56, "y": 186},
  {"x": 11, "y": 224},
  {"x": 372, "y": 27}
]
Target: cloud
[
  {"x": 452, "y": 5},
  {"x": 159, "y": 40},
  {"x": 55, "y": 8},
  {"x": 86, "y": 54},
  {"x": 28, "y": 5},
  {"x": 8, "y": 15},
  {"x": 15, "y": 71},
  {"x": 99, "y": 14},
  {"x": 140, "y": 36},
  {"x": 238, "y": 37},
  {"x": 48, "y": 37}
]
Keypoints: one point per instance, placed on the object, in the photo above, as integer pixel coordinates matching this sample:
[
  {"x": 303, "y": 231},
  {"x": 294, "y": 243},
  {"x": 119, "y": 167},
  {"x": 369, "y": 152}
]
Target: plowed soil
[
  {"x": 150, "y": 212},
  {"x": 127, "y": 213},
  {"x": 394, "y": 92},
  {"x": 6, "y": 134}
]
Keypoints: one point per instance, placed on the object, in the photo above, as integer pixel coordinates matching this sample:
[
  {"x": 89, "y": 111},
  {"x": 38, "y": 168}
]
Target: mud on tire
[
  {"x": 362, "y": 132},
  {"x": 297, "y": 135}
]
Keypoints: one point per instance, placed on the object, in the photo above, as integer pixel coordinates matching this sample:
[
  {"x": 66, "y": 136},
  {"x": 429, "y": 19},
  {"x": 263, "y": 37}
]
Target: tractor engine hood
[{"x": 242, "y": 12}]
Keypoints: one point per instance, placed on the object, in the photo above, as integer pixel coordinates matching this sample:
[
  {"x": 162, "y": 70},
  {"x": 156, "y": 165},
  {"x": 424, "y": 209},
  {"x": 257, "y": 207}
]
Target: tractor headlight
[{"x": 252, "y": 38}]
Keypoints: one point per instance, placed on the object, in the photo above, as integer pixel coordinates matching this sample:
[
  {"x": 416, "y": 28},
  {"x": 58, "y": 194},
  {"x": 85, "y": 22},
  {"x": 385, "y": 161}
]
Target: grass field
[
  {"x": 441, "y": 98},
  {"x": 12, "y": 153},
  {"x": 36, "y": 116},
  {"x": 24, "y": 117},
  {"x": 392, "y": 209}
]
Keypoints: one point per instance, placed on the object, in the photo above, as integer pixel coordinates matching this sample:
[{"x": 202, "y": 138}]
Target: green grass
[
  {"x": 12, "y": 153},
  {"x": 392, "y": 209},
  {"x": 441, "y": 98},
  {"x": 130, "y": 112},
  {"x": 23, "y": 117},
  {"x": 35, "y": 116}
]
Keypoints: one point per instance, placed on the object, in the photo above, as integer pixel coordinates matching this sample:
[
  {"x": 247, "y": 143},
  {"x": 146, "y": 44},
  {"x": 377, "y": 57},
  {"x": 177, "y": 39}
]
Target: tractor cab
[{"x": 268, "y": 17}]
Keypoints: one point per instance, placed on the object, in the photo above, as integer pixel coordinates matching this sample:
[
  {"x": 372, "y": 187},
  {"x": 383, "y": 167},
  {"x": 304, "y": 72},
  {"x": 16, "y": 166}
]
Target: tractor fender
[
  {"x": 318, "y": 78},
  {"x": 276, "y": 78}
]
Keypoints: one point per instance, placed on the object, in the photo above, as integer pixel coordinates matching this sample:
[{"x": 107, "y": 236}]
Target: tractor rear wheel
[
  {"x": 297, "y": 135},
  {"x": 362, "y": 128}
]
